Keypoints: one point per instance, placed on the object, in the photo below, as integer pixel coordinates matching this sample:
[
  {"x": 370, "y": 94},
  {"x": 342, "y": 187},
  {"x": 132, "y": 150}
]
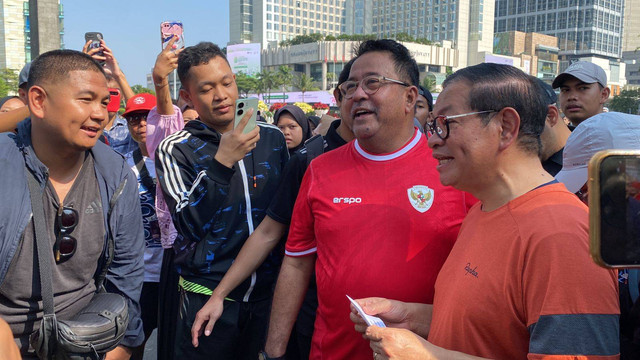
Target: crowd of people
[{"x": 462, "y": 224}]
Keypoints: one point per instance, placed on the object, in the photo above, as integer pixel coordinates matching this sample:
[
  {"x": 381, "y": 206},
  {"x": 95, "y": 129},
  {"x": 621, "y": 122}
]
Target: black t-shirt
[
  {"x": 553, "y": 164},
  {"x": 281, "y": 207}
]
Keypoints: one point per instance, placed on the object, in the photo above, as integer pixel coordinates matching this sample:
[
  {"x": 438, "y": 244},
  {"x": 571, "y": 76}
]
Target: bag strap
[
  {"x": 42, "y": 243},
  {"x": 315, "y": 147},
  {"x": 145, "y": 177},
  {"x": 99, "y": 280}
]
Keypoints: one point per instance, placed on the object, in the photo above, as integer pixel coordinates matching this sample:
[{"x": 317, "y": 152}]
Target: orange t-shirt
[{"x": 519, "y": 283}]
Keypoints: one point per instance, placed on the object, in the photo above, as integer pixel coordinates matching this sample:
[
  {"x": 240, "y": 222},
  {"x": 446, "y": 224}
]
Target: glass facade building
[{"x": 583, "y": 27}]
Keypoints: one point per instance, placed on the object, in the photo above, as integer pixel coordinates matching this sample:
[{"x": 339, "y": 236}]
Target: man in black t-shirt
[{"x": 273, "y": 228}]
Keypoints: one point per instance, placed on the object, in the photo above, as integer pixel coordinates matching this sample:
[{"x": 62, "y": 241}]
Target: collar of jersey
[{"x": 390, "y": 156}]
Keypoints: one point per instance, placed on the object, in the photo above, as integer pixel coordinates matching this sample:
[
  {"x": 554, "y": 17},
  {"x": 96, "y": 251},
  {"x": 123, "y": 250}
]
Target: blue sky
[{"x": 132, "y": 28}]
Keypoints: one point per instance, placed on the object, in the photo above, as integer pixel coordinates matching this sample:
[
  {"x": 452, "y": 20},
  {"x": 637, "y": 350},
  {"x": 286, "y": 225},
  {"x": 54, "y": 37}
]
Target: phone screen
[
  {"x": 170, "y": 28},
  {"x": 242, "y": 105},
  {"x": 619, "y": 209}
]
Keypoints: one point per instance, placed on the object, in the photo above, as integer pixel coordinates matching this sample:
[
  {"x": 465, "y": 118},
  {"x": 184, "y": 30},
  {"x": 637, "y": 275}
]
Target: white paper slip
[{"x": 369, "y": 319}]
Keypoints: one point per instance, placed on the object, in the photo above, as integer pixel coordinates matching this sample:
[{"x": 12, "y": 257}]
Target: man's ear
[
  {"x": 37, "y": 98},
  {"x": 553, "y": 115},
  {"x": 187, "y": 97},
  {"x": 411, "y": 96},
  {"x": 509, "y": 126},
  {"x": 336, "y": 95},
  {"x": 604, "y": 95}
]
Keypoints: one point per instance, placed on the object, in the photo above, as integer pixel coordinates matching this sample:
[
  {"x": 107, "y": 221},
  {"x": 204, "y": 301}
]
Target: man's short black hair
[
  {"x": 496, "y": 86},
  {"x": 405, "y": 64},
  {"x": 54, "y": 66},
  {"x": 197, "y": 55},
  {"x": 344, "y": 76}
]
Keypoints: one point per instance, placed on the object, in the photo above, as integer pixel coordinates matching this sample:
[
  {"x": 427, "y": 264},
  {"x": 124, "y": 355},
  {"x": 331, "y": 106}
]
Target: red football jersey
[{"x": 382, "y": 225}]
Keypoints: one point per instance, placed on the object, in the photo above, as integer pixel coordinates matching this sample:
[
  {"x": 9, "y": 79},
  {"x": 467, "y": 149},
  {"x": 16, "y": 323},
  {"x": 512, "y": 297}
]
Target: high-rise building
[
  {"x": 467, "y": 23},
  {"x": 631, "y": 28},
  {"x": 584, "y": 28},
  {"x": 358, "y": 17},
  {"x": 28, "y": 28},
  {"x": 271, "y": 21}
]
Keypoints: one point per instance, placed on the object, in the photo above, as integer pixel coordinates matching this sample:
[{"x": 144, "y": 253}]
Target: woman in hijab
[{"x": 293, "y": 123}]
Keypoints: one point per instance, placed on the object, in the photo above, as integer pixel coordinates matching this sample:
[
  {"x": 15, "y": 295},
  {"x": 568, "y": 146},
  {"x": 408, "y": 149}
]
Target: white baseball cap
[{"x": 605, "y": 131}]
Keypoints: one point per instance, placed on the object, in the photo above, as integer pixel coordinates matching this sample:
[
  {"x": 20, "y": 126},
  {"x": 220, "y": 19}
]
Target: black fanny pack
[{"x": 94, "y": 330}]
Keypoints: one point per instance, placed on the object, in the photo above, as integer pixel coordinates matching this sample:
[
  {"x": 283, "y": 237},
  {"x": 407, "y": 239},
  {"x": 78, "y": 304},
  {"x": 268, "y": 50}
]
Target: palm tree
[
  {"x": 429, "y": 83},
  {"x": 304, "y": 83},
  {"x": 285, "y": 77},
  {"x": 268, "y": 81}
]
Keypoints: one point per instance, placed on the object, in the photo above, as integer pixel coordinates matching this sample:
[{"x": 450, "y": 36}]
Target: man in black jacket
[{"x": 217, "y": 183}]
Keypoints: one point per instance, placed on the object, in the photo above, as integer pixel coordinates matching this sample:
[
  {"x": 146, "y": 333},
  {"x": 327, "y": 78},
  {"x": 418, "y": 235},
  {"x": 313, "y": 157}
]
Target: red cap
[{"x": 140, "y": 102}]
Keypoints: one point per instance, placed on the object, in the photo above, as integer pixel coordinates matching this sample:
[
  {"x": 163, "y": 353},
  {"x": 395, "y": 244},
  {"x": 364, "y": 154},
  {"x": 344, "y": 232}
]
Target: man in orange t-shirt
[{"x": 518, "y": 283}]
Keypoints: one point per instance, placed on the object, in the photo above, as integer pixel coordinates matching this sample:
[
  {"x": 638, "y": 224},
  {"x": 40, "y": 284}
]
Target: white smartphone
[{"x": 242, "y": 106}]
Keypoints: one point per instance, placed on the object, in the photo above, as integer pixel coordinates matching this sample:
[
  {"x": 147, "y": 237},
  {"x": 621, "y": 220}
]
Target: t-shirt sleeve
[
  {"x": 301, "y": 240},
  {"x": 282, "y": 204},
  {"x": 571, "y": 304}
]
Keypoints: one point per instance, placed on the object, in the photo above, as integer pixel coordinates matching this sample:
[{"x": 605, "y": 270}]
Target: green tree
[
  {"x": 284, "y": 77},
  {"x": 304, "y": 83},
  {"x": 245, "y": 83},
  {"x": 138, "y": 89},
  {"x": 8, "y": 82},
  {"x": 429, "y": 83},
  {"x": 268, "y": 81},
  {"x": 627, "y": 102}
]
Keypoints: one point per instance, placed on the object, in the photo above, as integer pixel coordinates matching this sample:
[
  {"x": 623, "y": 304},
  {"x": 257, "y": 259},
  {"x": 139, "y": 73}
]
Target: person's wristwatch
[{"x": 262, "y": 355}]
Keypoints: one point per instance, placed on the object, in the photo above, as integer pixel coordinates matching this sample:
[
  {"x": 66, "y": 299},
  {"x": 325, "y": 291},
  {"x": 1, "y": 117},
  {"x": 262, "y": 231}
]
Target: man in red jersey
[
  {"x": 370, "y": 216},
  {"x": 519, "y": 282}
]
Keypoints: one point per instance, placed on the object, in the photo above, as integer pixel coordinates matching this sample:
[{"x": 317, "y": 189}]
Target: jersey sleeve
[
  {"x": 301, "y": 240},
  {"x": 571, "y": 304}
]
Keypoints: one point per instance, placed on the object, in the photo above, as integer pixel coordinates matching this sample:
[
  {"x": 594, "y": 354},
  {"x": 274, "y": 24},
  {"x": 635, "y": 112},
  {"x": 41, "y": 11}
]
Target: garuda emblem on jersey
[{"x": 420, "y": 197}]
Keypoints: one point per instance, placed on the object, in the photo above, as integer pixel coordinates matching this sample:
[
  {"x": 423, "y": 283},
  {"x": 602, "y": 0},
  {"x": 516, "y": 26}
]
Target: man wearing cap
[
  {"x": 555, "y": 132},
  {"x": 143, "y": 167},
  {"x": 583, "y": 91},
  {"x": 424, "y": 105}
]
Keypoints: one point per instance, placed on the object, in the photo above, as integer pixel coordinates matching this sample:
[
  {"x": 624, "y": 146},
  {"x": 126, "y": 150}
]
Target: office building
[
  {"x": 534, "y": 53},
  {"x": 27, "y": 29},
  {"x": 631, "y": 28},
  {"x": 270, "y": 21},
  {"x": 358, "y": 17},
  {"x": 323, "y": 61},
  {"x": 468, "y": 24},
  {"x": 584, "y": 28}
]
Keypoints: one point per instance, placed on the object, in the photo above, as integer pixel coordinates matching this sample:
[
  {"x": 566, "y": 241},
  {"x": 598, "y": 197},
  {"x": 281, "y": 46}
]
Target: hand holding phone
[
  {"x": 94, "y": 39},
  {"x": 169, "y": 29},
  {"x": 242, "y": 106},
  {"x": 235, "y": 144}
]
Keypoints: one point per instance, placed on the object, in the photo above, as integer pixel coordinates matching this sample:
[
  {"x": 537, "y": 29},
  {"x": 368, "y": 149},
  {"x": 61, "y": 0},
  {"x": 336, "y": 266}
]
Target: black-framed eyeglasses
[
  {"x": 370, "y": 84},
  {"x": 439, "y": 125},
  {"x": 135, "y": 119},
  {"x": 65, "y": 246}
]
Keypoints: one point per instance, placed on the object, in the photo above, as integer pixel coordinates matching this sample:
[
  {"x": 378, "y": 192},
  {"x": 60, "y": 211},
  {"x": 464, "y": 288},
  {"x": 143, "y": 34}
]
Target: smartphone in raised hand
[
  {"x": 95, "y": 38},
  {"x": 168, "y": 29},
  {"x": 242, "y": 106}
]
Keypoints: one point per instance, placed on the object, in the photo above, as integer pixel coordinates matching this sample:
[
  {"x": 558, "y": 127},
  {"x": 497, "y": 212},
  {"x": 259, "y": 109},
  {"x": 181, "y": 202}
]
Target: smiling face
[
  {"x": 580, "y": 101},
  {"x": 291, "y": 130},
  {"x": 466, "y": 156},
  {"x": 378, "y": 117},
  {"x": 211, "y": 90},
  {"x": 72, "y": 112}
]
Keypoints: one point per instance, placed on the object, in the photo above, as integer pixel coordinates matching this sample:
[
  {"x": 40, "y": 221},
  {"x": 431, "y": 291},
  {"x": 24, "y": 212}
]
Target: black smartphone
[
  {"x": 95, "y": 38},
  {"x": 614, "y": 208}
]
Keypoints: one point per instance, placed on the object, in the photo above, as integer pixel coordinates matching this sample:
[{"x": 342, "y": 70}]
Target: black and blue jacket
[
  {"x": 215, "y": 208},
  {"x": 120, "y": 204}
]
